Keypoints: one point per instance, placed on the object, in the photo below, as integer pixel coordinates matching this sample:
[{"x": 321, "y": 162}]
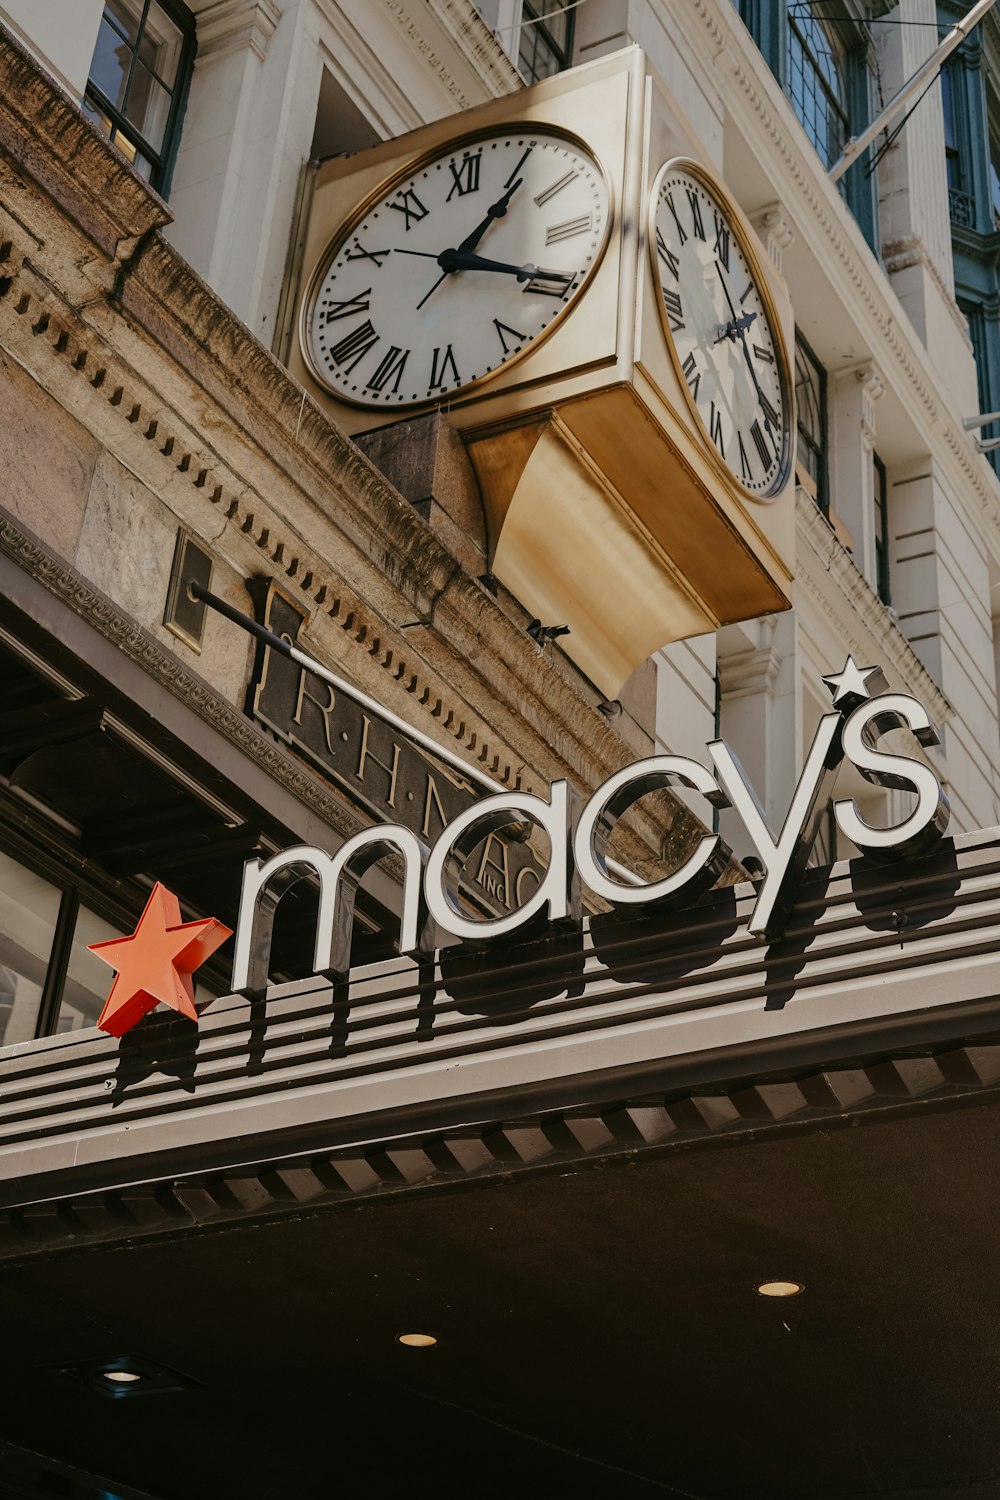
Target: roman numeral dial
[
  {"x": 459, "y": 266},
  {"x": 719, "y": 322}
]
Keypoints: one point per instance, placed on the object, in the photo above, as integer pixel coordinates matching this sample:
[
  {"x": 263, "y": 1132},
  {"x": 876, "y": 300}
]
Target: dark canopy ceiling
[{"x": 599, "y": 1333}]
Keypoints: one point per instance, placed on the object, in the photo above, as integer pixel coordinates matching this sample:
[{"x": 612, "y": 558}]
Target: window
[
  {"x": 138, "y": 79},
  {"x": 29, "y": 910},
  {"x": 537, "y": 35},
  {"x": 816, "y": 84},
  {"x": 810, "y": 411},
  {"x": 48, "y": 980},
  {"x": 546, "y": 39},
  {"x": 881, "y": 531},
  {"x": 961, "y": 203},
  {"x": 824, "y": 58}
]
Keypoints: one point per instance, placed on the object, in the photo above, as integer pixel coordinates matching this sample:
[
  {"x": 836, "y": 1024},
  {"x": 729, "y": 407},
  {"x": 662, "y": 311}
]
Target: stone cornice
[
  {"x": 481, "y": 47},
  {"x": 53, "y": 142},
  {"x": 435, "y": 27},
  {"x": 824, "y": 569}
]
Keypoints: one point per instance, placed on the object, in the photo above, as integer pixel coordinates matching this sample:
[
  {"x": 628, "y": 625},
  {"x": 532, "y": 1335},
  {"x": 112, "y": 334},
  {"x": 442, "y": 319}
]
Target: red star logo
[{"x": 155, "y": 964}]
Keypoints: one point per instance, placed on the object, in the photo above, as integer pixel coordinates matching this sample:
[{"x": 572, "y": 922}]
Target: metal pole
[
  {"x": 987, "y": 447},
  {"x": 277, "y": 643},
  {"x": 971, "y": 422},
  {"x": 858, "y": 144}
]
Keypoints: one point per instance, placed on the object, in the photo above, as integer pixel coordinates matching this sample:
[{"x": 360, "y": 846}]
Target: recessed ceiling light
[
  {"x": 780, "y": 1288},
  {"x": 126, "y": 1375},
  {"x": 417, "y": 1340}
]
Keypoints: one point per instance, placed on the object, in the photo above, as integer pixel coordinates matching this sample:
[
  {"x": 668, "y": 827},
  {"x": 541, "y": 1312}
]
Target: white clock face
[
  {"x": 457, "y": 268},
  {"x": 718, "y": 319}
]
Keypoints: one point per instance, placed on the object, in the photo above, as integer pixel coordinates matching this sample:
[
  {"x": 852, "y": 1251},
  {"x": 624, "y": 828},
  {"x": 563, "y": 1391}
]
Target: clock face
[
  {"x": 722, "y": 329},
  {"x": 457, "y": 268}
]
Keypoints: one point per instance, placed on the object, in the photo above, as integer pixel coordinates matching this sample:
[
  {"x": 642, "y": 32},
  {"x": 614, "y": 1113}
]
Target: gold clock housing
[{"x": 606, "y": 509}]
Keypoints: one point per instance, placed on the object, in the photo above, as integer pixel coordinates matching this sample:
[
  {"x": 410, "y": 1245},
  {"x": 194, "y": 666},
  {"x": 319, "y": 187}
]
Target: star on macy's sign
[{"x": 155, "y": 964}]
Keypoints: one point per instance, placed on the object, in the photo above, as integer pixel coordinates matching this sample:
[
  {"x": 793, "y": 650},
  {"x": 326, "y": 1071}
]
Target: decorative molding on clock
[
  {"x": 825, "y": 569},
  {"x": 229, "y": 26},
  {"x": 775, "y": 229}
]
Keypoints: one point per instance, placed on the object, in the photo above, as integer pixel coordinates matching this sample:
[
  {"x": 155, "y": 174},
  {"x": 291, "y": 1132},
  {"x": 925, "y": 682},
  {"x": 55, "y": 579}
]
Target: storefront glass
[
  {"x": 29, "y": 907},
  {"x": 88, "y": 978}
]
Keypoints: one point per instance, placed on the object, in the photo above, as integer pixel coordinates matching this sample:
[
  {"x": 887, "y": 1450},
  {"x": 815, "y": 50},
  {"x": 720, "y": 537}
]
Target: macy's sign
[{"x": 864, "y": 711}]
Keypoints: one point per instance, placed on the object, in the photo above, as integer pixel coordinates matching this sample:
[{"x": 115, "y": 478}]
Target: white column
[
  {"x": 758, "y": 717},
  {"x": 247, "y": 130},
  {"x": 941, "y": 593},
  {"x": 914, "y": 221},
  {"x": 852, "y": 475}
]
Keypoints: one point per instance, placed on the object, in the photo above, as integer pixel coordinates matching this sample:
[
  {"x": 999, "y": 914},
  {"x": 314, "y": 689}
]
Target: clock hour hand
[
  {"x": 495, "y": 211},
  {"x": 735, "y": 327}
]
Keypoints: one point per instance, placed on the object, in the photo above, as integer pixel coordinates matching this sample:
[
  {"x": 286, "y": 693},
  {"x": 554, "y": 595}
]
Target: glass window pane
[
  {"x": 161, "y": 44},
  {"x": 816, "y": 83},
  {"x": 28, "y": 910},
  {"x": 126, "y": 15},
  {"x": 88, "y": 978},
  {"x": 148, "y": 106},
  {"x": 100, "y": 119},
  {"x": 112, "y": 60}
]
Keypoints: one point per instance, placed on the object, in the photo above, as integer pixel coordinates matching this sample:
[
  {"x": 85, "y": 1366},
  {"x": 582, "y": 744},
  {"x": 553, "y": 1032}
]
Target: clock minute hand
[
  {"x": 737, "y": 323},
  {"x": 459, "y": 260},
  {"x": 495, "y": 211}
]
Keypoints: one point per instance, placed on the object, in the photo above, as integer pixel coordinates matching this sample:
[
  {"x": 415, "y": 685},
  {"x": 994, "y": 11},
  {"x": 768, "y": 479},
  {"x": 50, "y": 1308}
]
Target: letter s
[{"x": 929, "y": 819}]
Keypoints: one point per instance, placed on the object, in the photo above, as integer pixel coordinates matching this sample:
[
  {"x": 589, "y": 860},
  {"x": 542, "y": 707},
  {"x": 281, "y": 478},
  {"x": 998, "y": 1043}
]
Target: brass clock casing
[{"x": 606, "y": 508}]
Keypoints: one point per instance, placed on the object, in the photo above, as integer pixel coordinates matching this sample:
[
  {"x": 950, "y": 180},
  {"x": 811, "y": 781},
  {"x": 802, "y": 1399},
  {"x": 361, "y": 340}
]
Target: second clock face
[
  {"x": 457, "y": 268},
  {"x": 725, "y": 337}
]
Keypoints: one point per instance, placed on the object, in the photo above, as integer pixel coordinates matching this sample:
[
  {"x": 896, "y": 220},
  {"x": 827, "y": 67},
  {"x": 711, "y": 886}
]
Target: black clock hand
[
  {"x": 736, "y": 326},
  {"x": 456, "y": 260},
  {"x": 765, "y": 405},
  {"x": 495, "y": 211},
  {"x": 459, "y": 260}
]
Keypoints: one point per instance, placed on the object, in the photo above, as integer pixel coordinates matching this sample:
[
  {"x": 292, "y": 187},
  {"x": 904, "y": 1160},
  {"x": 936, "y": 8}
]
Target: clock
[
  {"x": 489, "y": 276},
  {"x": 722, "y": 329},
  {"x": 456, "y": 268}
]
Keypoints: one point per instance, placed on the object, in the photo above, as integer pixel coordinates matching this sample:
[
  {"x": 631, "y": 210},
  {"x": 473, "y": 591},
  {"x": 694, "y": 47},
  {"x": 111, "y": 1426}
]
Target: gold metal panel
[{"x": 565, "y": 533}]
